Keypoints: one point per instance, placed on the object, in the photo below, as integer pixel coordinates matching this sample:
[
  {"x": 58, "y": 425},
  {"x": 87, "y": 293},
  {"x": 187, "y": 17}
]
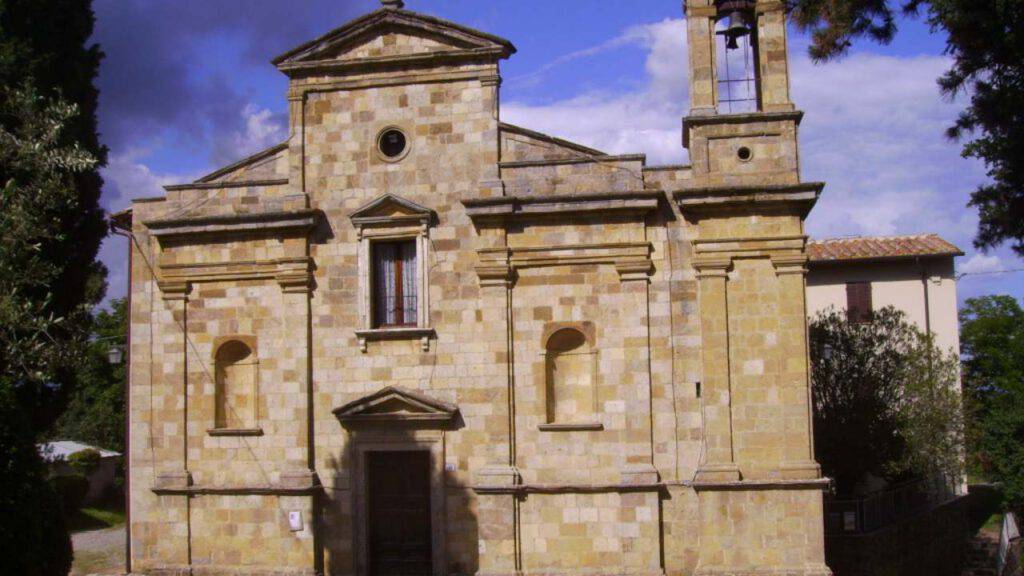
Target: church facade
[{"x": 415, "y": 339}]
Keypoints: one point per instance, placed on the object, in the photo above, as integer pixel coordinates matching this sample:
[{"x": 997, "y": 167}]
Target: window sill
[
  {"x": 571, "y": 427},
  {"x": 396, "y": 333},
  {"x": 235, "y": 432}
]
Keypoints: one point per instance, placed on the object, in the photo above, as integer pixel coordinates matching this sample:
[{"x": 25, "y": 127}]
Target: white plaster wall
[{"x": 902, "y": 284}]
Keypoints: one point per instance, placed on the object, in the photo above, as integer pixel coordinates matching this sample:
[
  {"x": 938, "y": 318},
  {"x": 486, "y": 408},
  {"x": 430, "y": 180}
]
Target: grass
[
  {"x": 95, "y": 518},
  {"x": 994, "y": 524}
]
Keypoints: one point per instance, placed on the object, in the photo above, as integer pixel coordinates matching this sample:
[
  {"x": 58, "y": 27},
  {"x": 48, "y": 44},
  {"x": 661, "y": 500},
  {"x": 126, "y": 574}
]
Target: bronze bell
[{"x": 738, "y": 12}]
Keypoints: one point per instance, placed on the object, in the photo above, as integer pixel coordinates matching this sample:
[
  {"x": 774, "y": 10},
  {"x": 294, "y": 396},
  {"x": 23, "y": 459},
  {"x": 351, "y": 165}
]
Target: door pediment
[{"x": 397, "y": 406}]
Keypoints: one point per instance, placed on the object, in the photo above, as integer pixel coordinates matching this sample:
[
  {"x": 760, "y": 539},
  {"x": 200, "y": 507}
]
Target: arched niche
[
  {"x": 570, "y": 376},
  {"x": 235, "y": 373}
]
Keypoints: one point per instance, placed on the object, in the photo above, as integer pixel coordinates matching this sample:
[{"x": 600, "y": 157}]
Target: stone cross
[{"x": 396, "y": 4}]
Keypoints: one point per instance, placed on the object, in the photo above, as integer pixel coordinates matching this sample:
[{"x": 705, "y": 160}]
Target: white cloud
[
  {"x": 981, "y": 264},
  {"x": 646, "y": 120},
  {"x": 262, "y": 129},
  {"x": 126, "y": 178}
]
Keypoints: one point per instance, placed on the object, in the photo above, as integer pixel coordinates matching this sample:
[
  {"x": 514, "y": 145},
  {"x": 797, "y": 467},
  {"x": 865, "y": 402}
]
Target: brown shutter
[{"x": 858, "y": 301}]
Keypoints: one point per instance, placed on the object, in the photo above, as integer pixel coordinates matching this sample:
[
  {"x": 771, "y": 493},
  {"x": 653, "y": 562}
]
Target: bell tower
[
  {"x": 758, "y": 485},
  {"x": 742, "y": 126}
]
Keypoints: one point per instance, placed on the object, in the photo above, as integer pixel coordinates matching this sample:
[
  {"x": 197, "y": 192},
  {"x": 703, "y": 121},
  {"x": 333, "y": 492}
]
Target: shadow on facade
[{"x": 372, "y": 510}]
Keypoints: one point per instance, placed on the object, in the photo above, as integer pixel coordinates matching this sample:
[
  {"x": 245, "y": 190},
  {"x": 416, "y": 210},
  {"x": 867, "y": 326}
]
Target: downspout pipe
[{"x": 121, "y": 225}]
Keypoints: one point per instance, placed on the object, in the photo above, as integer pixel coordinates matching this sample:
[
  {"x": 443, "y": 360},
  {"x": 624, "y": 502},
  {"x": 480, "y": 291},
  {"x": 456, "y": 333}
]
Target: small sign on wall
[{"x": 295, "y": 520}]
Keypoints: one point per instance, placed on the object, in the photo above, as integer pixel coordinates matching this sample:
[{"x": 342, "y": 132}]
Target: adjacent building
[
  {"x": 914, "y": 274},
  {"x": 416, "y": 339}
]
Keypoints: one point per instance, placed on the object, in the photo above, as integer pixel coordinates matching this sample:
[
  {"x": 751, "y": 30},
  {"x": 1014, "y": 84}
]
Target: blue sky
[{"x": 187, "y": 87}]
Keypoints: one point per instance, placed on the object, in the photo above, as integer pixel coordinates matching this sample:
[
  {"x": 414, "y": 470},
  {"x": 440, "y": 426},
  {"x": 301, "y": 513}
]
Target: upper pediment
[
  {"x": 391, "y": 36},
  {"x": 395, "y": 405}
]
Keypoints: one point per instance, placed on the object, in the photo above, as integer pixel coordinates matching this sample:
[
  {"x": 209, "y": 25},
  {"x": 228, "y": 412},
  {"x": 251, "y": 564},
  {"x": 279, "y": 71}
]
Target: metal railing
[{"x": 877, "y": 509}]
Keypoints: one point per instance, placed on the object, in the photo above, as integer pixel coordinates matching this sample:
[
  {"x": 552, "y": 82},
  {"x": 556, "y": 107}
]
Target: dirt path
[{"x": 98, "y": 552}]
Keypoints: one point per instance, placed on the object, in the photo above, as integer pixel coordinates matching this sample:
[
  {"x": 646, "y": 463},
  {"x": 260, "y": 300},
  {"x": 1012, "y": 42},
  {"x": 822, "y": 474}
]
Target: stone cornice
[
  {"x": 506, "y": 208},
  {"x": 762, "y": 485},
  {"x": 718, "y": 199},
  {"x": 302, "y": 221},
  {"x": 498, "y": 266},
  {"x": 293, "y": 274},
  {"x": 569, "y": 488},
  {"x": 405, "y": 62},
  {"x": 642, "y": 158},
  {"x": 483, "y": 74},
  {"x": 220, "y": 185},
  {"x": 266, "y": 153},
  {"x": 694, "y": 120},
  {"x": 264, "y": 490}
]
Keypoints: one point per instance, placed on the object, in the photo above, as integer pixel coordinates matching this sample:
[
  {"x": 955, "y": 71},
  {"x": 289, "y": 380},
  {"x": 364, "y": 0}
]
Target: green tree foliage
[
  {"x": 886, "y": 400},
  {"x": 33, "y": 536},
  {"x": 36, "y": 345},
  {"x": 43, "y": 47},
  {"x": 95, "y": 412},
  {"x": 985, "y": 39},
  {"x": 85, "y": 462},
  {"x": 992, "y": 345}
]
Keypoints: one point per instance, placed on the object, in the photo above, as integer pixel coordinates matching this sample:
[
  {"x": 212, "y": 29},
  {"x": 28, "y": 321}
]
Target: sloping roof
[
  {"x": 879, "y": 248},
  {"x": 61, "y": 449}
]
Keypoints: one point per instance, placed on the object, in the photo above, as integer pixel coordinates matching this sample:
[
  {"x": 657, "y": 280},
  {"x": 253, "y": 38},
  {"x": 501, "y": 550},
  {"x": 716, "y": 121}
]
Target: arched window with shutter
[{"x": 235, "y": 366}]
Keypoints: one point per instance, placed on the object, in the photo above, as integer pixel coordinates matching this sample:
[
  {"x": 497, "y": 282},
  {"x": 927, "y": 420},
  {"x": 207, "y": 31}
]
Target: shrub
[
  {"x": 85, "y": 462},
  {"x": 72, "y": 489}
]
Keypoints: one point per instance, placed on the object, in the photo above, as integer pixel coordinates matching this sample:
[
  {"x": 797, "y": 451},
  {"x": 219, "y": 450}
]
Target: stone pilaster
[{"x": 719, "y": 464}]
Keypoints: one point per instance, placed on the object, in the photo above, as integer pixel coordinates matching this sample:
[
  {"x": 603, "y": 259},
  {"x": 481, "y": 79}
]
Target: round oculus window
[
  {"x": 744, "y": 154},
  {"x": 392, "y": 143}
]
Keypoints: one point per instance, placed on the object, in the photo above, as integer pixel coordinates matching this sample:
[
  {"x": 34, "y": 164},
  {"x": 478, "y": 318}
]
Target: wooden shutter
[{"x": 858, "y": 301}]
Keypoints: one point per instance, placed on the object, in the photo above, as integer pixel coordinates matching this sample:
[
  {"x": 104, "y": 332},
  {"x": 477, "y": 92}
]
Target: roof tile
[{"x": 879, "y": 247}]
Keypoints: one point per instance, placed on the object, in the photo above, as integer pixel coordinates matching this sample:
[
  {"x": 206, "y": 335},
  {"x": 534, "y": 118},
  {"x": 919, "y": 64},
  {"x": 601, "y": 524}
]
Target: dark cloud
[{"x": 153, "y": 78}]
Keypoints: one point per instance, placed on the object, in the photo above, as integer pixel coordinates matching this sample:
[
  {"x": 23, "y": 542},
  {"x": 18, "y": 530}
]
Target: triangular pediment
[
  {"x": 397, "y": 405},
  {"x": 389, "y": 36},
  {"x": 391, "y": 209}
]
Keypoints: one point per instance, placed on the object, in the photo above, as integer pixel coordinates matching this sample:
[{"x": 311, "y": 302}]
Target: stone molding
[
  {"x": 299, "y": 90},
  {"x": 571, "y": 427},
  {"x": 225, "y": 185},
  {"x": 713, "y": 200},
  {"x": 266, "y": 153},
  {"x": 498, "y": 266},
  {"x": 234, "y": 431},
  {"x": 710, "y": 117},
  {"x": 264, "y": 490},
  {"x": 590, "y": 159},
  {"x": 376, "y": 334},
  {"x": 300, "y": 221},
  {"x": 761, "y": 485},
  {"x": 428, "y": 60},
  {"x": 568, "y": 488},
  {"x": 295, "y": 275},
  {"x": 511, "y": 208}
]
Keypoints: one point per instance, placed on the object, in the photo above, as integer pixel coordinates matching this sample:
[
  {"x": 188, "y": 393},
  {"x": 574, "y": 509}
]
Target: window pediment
[
  {"x": 390, "y": 211},
  {"x": 394, "y": 405}
]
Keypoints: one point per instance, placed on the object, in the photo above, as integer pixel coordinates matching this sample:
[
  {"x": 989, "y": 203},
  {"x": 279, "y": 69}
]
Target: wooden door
[{"x": 399, "y": 513}]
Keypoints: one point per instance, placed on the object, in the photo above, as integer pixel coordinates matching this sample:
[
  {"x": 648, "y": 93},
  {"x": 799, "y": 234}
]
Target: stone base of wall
[{"x": 934, "y": 542}]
